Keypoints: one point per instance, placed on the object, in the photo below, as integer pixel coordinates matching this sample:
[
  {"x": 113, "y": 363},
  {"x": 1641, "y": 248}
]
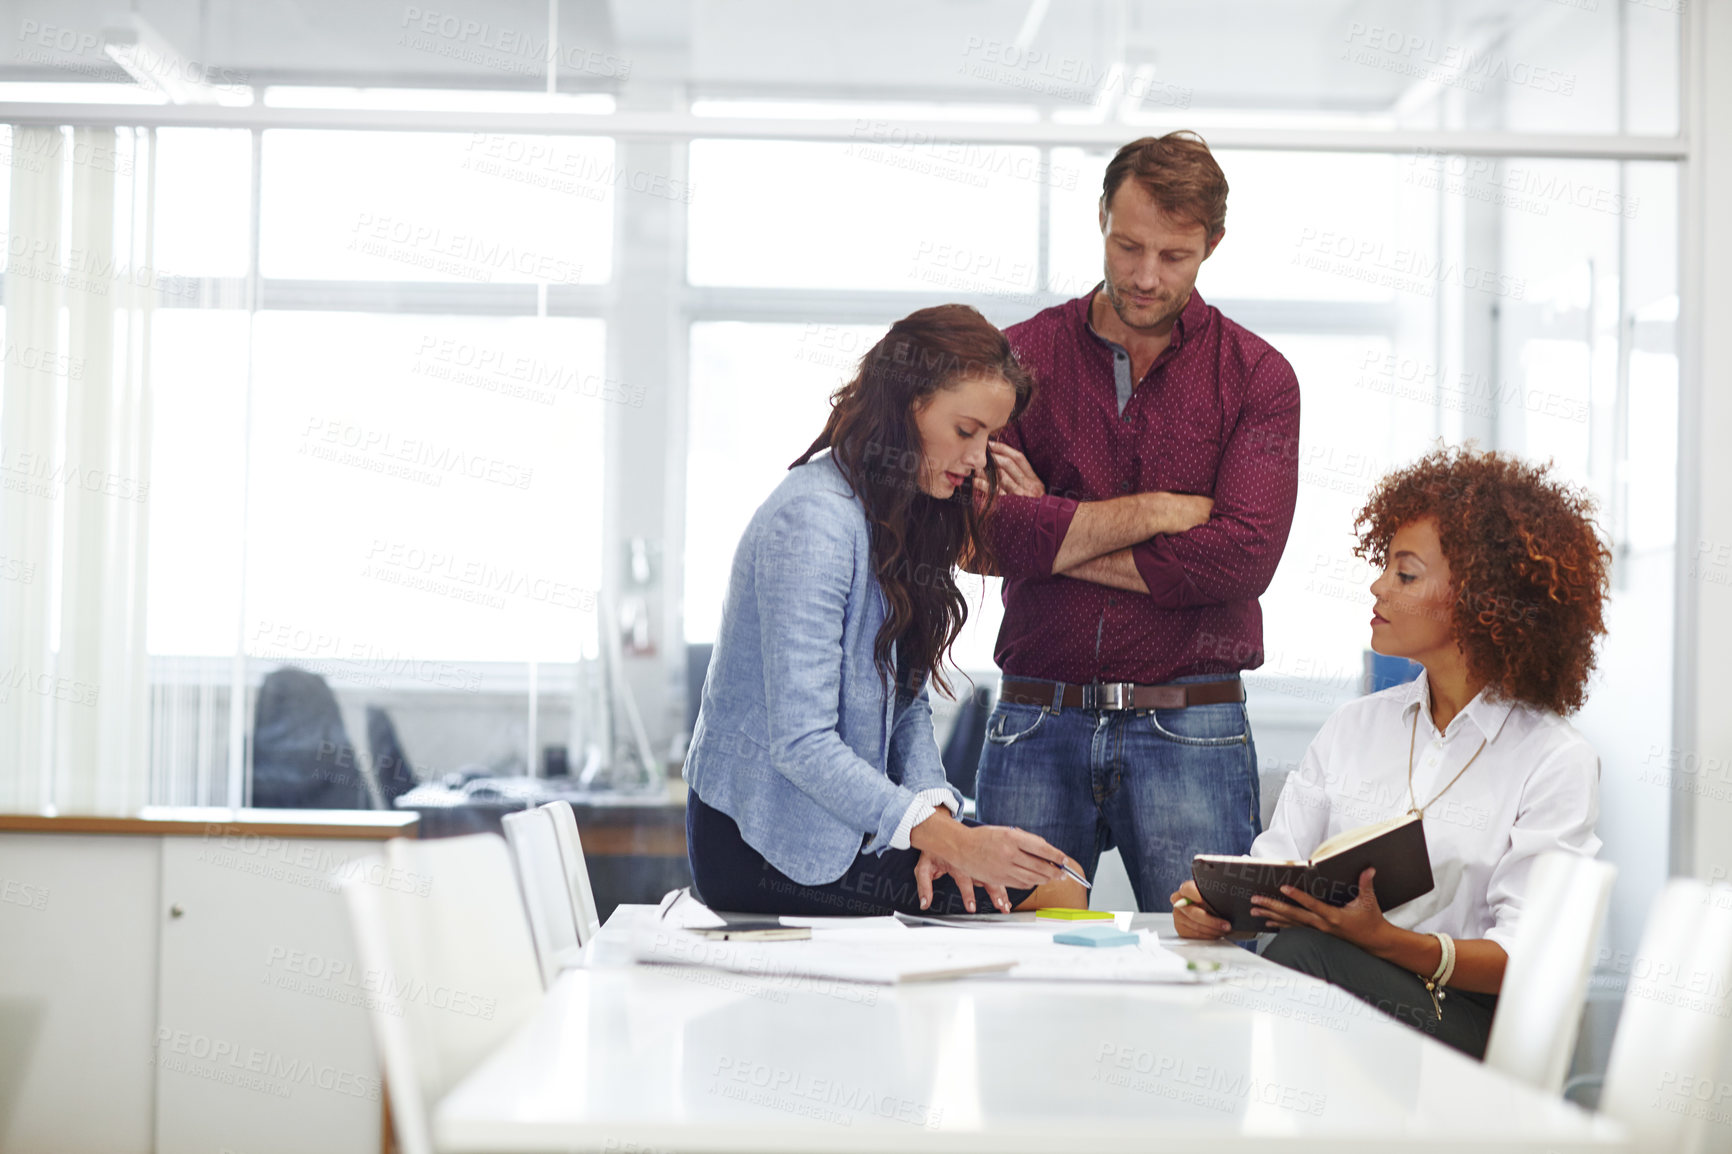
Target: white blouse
[{"x": 1535, "y": 787}]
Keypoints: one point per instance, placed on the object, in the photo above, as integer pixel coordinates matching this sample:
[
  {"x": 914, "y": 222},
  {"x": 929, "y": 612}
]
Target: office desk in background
[
  {"x": 624, "y": 1057},
  {"x": 634, "y": 844}
]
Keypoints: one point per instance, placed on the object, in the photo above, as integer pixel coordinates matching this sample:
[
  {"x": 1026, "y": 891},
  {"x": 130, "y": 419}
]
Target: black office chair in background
[
  {"x": 390, "y": 763},
  {"x": 302, "y": 756},
  {"x": 961, "y": 752},
  {"x": 697, "y": 668}
]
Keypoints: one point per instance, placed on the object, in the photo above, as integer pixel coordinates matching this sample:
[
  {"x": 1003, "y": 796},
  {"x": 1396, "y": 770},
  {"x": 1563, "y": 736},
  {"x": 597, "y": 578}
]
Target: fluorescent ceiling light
[
  {"x": 153, "y": 63},
  {"x": 1031, "y": 22}
]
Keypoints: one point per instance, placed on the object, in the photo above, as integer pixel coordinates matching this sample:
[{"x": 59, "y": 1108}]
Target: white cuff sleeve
[{"x": 924, "y": 805}]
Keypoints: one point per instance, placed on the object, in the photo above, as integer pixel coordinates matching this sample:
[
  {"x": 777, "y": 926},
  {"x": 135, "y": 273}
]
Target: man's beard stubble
[{"x": 1167, "y": 309}]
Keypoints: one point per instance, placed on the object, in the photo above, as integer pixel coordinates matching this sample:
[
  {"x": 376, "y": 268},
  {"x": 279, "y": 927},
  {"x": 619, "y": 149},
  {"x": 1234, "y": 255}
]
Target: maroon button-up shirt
[{"x": 1217, "y": 415}]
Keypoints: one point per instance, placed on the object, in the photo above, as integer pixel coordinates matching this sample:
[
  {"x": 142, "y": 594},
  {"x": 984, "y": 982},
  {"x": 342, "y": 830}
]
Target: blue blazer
[{"x": 797, "y": 740}]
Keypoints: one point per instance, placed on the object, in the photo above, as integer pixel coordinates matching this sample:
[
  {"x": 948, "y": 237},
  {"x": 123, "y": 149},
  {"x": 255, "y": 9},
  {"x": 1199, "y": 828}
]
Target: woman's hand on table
[
  {"x": 1193, "y": 920},
  {"x": 994, "y": 857},
  {"x": 931, "y": 867}
]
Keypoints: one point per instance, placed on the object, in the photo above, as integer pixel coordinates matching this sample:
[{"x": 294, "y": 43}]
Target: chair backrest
[
  {"x": 697, "y": 668},
  {"x": 1663, "y": 1078},
  {"x": 448, "y": 962},
  {"x": 541, "y": 878},
  {"x": 379, "y": 946},
  {"x": 391, "y": 767},
  {"x": 1545, "y": 984},
  {"x": 581, "y": 894},
  {"x": 302, "y": 755}
]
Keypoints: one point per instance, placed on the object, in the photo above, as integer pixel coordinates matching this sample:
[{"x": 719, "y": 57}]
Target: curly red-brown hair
[{"x": 1528, "y": 565}]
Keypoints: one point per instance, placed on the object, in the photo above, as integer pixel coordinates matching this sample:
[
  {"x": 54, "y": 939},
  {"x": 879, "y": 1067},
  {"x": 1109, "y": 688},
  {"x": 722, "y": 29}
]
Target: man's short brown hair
[{"x": 1180, "y": 172}]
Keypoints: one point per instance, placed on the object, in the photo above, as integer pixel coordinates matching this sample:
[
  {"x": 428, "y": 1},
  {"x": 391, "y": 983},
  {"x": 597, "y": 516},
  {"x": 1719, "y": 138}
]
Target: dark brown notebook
[{"x": 1395, "y": 848}]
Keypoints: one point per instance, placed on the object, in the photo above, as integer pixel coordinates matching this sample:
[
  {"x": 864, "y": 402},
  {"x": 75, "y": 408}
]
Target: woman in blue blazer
[{"x": 816, "y": 784}]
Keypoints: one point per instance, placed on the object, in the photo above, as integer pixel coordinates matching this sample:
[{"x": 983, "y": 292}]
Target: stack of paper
[
  {"x": 889, "y": 950},
  {"x": 883, "y": 953}
]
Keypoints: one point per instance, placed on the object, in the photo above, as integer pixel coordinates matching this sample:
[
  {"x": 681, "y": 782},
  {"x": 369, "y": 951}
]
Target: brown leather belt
[{"x": 1121, "y": 694}]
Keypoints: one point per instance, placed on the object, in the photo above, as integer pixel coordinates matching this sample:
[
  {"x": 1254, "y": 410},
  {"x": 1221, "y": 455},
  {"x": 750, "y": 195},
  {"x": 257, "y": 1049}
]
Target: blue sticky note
[{"x": 1095, "y": 936}]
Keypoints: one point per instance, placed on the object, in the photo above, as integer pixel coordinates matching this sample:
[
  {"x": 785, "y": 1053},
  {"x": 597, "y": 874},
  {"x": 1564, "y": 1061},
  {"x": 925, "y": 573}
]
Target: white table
[{"x": 650, "y": 1059}]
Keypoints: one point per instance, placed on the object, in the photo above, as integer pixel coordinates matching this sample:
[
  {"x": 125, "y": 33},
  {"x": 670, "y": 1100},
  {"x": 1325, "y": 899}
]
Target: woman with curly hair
[
  {"x": 1494, "y": 579},
  {"x": 816, "y": 785}
]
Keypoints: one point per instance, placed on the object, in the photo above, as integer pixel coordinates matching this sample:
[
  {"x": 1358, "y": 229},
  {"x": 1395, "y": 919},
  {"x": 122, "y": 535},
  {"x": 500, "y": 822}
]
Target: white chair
[
  {"x": 1545, "y": 984},
  {"x": 448, "y": 961},
  {"x": 541, "y": 880},
  {"x": 379, "y": 942},
  {"x": 1676, "y": 1023},
  {"x": 576, "y": 870}
]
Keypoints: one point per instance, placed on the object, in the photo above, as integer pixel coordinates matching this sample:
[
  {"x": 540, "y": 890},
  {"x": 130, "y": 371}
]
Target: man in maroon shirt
[{"x": 1146, "y": 497}]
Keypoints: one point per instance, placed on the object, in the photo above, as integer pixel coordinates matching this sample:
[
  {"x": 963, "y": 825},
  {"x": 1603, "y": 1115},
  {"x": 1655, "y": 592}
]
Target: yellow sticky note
[{"x": 1061, "y": 914}]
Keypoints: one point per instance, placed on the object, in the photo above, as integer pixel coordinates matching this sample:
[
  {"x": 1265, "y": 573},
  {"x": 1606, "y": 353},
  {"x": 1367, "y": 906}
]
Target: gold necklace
[{"x": 1412, "y": 806}]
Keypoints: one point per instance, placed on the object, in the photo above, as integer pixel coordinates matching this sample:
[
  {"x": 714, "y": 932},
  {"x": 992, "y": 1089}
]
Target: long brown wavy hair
[{"x": 918, "y": 540}]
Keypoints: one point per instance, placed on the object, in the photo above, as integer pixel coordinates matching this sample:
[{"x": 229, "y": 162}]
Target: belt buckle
[{"x": 1110, "y": 695}]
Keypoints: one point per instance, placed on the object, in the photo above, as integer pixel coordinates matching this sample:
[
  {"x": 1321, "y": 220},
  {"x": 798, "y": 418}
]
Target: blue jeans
[{"x": 1161, "y": 784}]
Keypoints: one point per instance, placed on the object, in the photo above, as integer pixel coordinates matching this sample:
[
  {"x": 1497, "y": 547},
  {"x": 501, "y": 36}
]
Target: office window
[
  {"x": 425, "y": 486},
  {"x": 479, "y": 208},
  {"x": 199, "y": 353},
  {"x": 198, "y": 473},
  {"x": 759, "y": 394},
  {"x": 885, "y": 211},
  {"x": 203, "y": 217},
  {"x": 405, "y": 503}
]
